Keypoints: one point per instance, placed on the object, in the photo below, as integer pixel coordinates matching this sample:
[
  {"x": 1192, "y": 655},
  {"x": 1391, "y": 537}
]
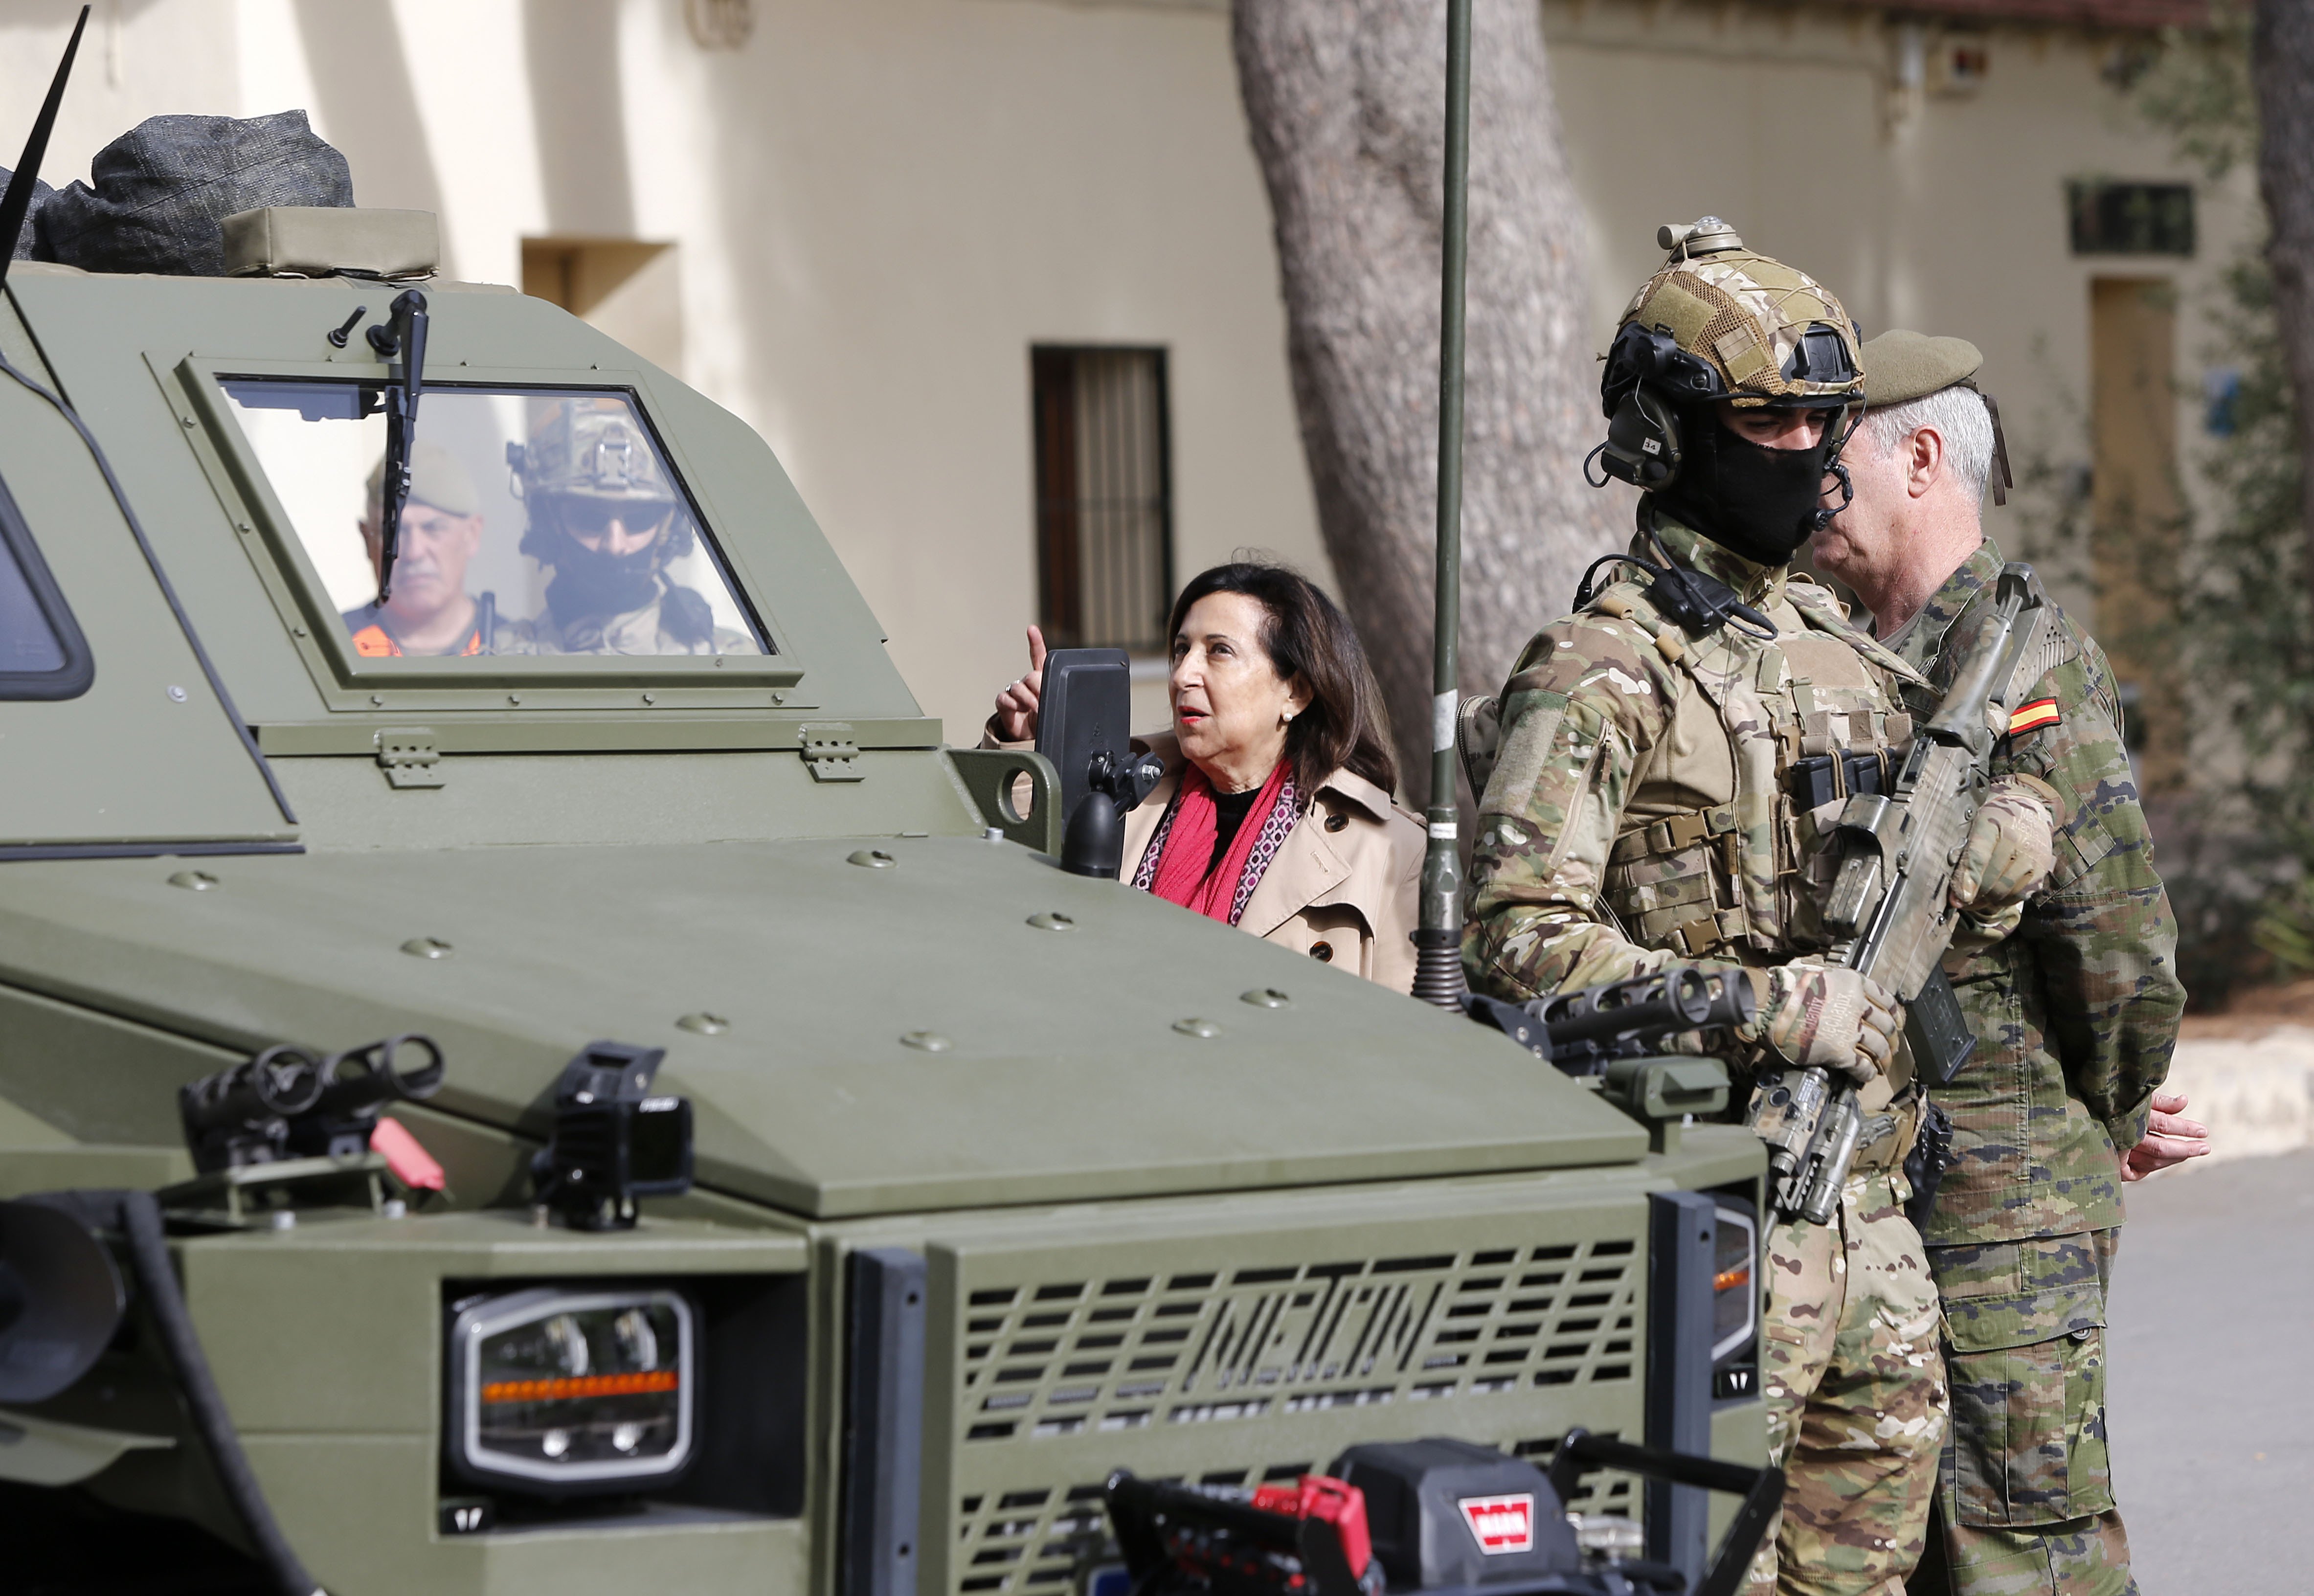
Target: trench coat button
[
  {"x": 1323, "y": 952},
  {"x": 1335, "y": 823}
]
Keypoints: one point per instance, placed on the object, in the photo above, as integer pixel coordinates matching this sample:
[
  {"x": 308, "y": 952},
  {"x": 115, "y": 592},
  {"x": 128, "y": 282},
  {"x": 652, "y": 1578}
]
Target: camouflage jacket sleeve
[
  {"x": 2102, "y": 934},
  {"x": 1580, "y": 716}
]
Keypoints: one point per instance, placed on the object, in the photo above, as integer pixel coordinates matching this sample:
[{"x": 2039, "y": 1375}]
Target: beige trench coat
[{"x": 1344, "y": 886}]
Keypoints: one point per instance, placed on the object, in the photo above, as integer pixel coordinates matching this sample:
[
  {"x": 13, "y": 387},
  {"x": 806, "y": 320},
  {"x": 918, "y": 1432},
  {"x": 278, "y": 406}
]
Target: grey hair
[{"x": 1957, "y": 415}]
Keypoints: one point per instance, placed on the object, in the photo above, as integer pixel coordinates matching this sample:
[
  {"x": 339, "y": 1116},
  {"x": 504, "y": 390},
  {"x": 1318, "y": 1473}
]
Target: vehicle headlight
[
  {"x": 1735, "y": 1303},
  {"x": 559, "y": 1391}
]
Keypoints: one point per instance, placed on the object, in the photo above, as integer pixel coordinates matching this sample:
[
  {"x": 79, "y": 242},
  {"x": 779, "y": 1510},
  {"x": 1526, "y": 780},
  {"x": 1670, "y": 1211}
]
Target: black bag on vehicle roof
[
  {"x": 42, "y": 194},
  {"x": 163, "y": 187}
]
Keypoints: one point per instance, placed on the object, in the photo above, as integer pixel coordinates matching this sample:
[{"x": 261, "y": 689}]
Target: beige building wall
[
  {"x": 1920, "y": 206},
  {"x": 878, "y": 206}
]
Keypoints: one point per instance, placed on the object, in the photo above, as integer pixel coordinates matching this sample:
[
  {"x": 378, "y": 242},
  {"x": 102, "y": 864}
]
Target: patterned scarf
[{"x": 1173, "y": 867}]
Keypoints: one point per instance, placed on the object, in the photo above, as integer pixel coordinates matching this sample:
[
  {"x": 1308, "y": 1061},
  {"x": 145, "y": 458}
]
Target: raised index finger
[{"x": 1036, "y": 647}]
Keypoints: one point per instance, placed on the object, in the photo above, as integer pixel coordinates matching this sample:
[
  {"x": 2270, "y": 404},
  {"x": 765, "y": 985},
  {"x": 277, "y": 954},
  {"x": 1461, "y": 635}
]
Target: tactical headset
[{"x": 1645, "y": 369}]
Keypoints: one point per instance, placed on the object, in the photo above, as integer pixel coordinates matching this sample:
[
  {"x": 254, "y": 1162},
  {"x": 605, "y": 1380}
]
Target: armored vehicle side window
[
  {"x": 41, "y": 653},
  {"x": 538, "y": 522}
]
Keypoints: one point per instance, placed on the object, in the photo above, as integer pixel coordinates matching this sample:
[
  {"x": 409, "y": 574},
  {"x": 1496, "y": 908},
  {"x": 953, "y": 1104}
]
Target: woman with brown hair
[{"x": 1274, "y": 814}]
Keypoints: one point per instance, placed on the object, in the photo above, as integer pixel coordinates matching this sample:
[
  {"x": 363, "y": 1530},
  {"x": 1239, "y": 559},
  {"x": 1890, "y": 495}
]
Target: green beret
[
  {"x": 1901, "y": 366},
  {"x": 436, "y": 477}
]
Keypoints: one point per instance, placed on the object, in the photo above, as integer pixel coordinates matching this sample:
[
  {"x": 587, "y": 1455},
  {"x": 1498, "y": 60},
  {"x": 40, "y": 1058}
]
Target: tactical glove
[
  {"x": 1820, "y": 1015},
  {"x": 2011, "y": 849}
]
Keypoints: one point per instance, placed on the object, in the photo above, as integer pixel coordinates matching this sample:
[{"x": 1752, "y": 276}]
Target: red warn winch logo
[{"x": 1501, "y": 1524}]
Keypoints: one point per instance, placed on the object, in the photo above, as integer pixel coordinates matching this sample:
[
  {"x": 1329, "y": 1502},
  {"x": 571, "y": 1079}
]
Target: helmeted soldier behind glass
[
  {"x": 1643, "y": 808},
  {"x": 606, "y": 520}
]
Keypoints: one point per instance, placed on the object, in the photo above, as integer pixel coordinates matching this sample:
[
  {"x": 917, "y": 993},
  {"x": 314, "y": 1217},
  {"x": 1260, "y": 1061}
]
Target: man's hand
[
  {"x": 1817, "y": 1014},
  {"x": 2012, "y": 846},
  {"x": 2170, "y": 1139},
  {"x": 1016, "y": 707}
]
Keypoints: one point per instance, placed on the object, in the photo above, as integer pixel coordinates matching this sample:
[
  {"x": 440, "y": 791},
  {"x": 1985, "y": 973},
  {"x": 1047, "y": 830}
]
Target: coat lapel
[{"x": 1306, "y": 869}]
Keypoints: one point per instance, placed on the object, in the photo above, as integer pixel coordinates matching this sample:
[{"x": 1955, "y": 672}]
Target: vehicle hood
[{"x": 1070, "y": 1069}]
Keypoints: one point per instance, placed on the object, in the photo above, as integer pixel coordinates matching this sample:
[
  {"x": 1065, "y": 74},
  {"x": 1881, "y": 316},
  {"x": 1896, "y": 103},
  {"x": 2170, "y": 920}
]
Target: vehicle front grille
[
  {"x": 1228, "y": 1360},
  {"x": 1066, "y": 1357}
]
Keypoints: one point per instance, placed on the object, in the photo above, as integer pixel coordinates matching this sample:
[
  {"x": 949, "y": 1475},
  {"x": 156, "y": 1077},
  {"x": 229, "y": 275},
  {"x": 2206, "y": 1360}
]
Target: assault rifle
[{"x": 1890, "y": 911}]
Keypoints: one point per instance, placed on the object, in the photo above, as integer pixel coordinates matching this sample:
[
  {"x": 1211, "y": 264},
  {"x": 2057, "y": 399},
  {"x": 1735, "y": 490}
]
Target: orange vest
[{"x": 374, "y": 642}]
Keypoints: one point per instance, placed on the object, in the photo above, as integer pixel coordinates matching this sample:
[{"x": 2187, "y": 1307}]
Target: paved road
[{"x": 2210, "y": 1392}]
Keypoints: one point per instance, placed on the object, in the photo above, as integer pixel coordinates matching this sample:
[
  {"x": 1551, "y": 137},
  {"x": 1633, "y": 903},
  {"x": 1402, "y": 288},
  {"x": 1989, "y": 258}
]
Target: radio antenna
[
  {"x": 1438, "y": 941},
  {"x": 17, "y": 203}
]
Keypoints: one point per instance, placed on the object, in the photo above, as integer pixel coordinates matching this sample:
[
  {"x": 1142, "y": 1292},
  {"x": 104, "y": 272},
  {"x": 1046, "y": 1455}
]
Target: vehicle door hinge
[
  {"x": 407, "y": 756},
  {"x": 830, "y": 751}
]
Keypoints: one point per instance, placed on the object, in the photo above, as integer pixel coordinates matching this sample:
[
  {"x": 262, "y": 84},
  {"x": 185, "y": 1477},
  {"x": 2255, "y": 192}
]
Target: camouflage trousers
[
  {"x": 1855, "y": 1385},
  {"x": 2025, "y": 1499}
]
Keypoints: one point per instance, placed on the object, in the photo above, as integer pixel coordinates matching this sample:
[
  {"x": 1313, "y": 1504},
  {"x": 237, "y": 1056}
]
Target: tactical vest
[{"x": 1717, "y": 855}]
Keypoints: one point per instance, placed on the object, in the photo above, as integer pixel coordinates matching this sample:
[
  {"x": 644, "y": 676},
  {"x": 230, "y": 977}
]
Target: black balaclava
[
  {"x": 1760, "y": 502},
  {"x": 592, "y": 583},
  {"x": 589, "y": 583}
]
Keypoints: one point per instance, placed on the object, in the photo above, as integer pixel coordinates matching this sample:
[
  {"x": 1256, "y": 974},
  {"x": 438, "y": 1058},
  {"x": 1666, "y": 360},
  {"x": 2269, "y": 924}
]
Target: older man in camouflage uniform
[
  {"x": 2075, "y": 1015},
  {"x": 1642, "y": 808}
]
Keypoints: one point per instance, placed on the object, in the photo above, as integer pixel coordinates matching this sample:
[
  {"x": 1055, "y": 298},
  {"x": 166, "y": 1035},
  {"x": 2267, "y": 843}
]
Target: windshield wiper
[{"x": 404, "y": 335}]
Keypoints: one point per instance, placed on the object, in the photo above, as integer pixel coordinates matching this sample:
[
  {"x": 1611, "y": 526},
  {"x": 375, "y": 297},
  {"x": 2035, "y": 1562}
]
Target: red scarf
[{"x": 1181, "y": 875}]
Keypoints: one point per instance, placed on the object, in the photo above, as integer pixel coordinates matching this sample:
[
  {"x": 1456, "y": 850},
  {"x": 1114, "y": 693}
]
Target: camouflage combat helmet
[
  {"x": 586, "y": 457},
  {"x": 1719, "y": 321},
  {"x": 589, "y": 448}
]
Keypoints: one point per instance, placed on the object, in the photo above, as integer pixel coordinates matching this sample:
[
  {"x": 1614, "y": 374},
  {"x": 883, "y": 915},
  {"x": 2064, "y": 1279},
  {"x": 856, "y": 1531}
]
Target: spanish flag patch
[{"x": 2040, "y": 712}]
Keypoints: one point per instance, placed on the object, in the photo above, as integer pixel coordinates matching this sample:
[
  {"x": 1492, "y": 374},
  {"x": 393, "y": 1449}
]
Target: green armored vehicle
[{"x": 958, "y": 1211}]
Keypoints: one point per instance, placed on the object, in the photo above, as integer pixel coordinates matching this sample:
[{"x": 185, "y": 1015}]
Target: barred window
[
  {"x": 2112, "y": 218},
  {"x": 1104, "y": 497}
]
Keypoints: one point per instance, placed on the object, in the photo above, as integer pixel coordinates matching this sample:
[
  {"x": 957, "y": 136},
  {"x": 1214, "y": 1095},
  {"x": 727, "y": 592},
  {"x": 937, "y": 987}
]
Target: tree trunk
[
  {"x": 2282, "y": 64},
  {"x": 1346, "y": 104}
]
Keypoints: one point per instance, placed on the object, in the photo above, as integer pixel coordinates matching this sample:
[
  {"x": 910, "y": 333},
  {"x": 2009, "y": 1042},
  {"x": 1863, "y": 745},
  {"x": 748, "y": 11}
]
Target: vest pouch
[
  {"x": 1813, "y": 783},
  {"x": 1804, "y": 872},
  {"x": 1840, "y": 752},
  {"x": 1668, "y": 883},
  {"x": 1866, "y": 772}
]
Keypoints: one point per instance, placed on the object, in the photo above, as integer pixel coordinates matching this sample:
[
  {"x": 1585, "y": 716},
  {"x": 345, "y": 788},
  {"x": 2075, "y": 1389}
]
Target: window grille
[
  {"x": 1104, "y": 497},
  {"x": 2131, "y": 218}
]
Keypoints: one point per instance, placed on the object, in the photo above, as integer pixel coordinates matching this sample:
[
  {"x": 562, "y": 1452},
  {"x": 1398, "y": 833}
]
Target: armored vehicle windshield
[{"x": 539, "y": 522}]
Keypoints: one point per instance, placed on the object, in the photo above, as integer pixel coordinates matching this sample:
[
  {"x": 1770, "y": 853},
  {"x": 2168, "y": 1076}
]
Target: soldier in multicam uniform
[
  {"x": 606, "y": 520},
  {"x": 2074, "y": 1016},
  {"x": 1640, "y": 810}
]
